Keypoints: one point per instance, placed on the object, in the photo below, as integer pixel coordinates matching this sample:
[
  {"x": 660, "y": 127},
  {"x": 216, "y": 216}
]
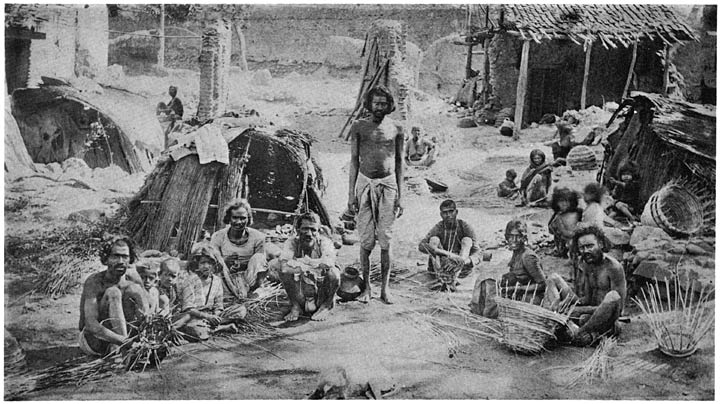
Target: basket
[
  {"x": 525, "y": 327},
  {"x": 582, "y": 158},
  {"x": 436, "y": 186},
  {"x": 676, "y": 210}
]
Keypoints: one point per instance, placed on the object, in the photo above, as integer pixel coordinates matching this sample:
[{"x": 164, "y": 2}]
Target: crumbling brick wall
[
  {"x": 392, "y": 43},
  {"x": 214, "y": 67},
  {"x": 504, "y": 54}
]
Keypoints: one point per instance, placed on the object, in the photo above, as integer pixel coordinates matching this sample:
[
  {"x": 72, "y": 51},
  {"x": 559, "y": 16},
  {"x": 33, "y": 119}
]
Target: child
[
  {"x": 169, "y": 279},
  {"x": 626, "y": 192},
  {"x": 565, "y": 219},
  {"x": 148, "y": 272},
  {"x": 507, "y": 188}
]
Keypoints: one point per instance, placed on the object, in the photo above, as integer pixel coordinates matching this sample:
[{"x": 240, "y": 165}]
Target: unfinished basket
[
  {"x": 526, "y": 328},
  {"x": 676, "y": 210},
  {"x": 582, "y": 158}
]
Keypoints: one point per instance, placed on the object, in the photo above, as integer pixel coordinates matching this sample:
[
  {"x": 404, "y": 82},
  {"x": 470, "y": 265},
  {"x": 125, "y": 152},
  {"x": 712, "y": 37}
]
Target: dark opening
[{"x": 17, "y": 63}]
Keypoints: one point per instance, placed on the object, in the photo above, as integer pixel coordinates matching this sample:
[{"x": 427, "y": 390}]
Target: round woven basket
[
  {"x": 582, "y": 158},
  {"x": 525, "y": 327},
  {"x": 676, "y": 210}
]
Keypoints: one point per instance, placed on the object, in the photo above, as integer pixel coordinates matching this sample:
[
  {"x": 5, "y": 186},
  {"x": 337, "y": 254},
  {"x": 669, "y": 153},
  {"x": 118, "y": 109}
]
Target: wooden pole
[
  {"x": 583, "y": 93},
  {"x": 632, "y": 70},
  {"x": 161, "y": 51},
  {"x": 521, "y": 89},
  {"x": 243, "y": 49},
  {"x": 486, "y": 71},
  {"x": 468, "y": 62},
  {"x": 666, "y": 70}
]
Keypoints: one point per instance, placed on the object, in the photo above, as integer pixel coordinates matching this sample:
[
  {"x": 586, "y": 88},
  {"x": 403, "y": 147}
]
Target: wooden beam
[
  {"x": 23, "y": 33},
  {"x": 521, "y": 89},
  {"x": 486, "y": 72},
  {"x": 583, "y": 93},
  {"x": 666, "y": 69},
  {"x": 161, "y": 51},
  {"x": 632, "y": 69},
  {"x": 468, "y": 63}
]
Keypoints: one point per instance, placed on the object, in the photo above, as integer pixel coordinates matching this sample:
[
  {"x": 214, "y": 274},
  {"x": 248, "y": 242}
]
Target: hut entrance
[
  {"x": 17, "y": 63},
  {"x": 546, "y": 93}
]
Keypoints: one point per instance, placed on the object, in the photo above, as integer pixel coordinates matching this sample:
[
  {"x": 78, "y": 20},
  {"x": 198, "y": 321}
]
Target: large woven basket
[
  {"x": 525, "y": 327},
  {"x": 582, "y": 158},
  {"x": 676, "y": 210}
]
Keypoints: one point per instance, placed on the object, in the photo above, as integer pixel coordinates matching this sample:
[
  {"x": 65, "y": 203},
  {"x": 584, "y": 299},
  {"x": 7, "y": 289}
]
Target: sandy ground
[{"x": 376, "y": 343}]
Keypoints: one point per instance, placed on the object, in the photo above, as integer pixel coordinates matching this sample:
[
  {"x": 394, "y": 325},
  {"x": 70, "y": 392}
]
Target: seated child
[
  {"x": 148, "y": 272},
  {"x": 507, "y": 188},
  {"x": 626, "y": 191},
  {"x": 168, "y": 285}
]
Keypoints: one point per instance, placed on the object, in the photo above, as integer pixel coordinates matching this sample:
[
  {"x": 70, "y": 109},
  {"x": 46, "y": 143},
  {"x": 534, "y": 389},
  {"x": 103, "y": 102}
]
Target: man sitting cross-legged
[
  {"x": 451, "y": 239},
  {"x": 111, "y": 299},
  {"x": 602, "y": 290},
  {"x": 307, "y": 270}
]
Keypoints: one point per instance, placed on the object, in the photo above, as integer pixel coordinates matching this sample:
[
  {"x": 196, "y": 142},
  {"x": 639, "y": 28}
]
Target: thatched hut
[
  {"x": 182, "y": 198},
  {"x": 668, "y": 140},
  {"x": 101, "y": 125},
  {"x": 549, "y": 58}
]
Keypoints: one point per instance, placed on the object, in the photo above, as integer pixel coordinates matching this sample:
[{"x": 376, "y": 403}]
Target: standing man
[
  {"x": 110, "y": 299},
  {"x": 376, "y": 183},
  {"x": 602, "y": 292},
  {"x": 452, "y": 239},
  {"x": 307, "y": 270}
]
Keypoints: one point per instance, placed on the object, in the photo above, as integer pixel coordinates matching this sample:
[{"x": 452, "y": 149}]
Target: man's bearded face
[
  {"x": 119, "y": 259},
  {"x": 515, "y": 240},
  {"x": 449, "y": 216},
  {"x": 590, "y": 249},
  {"x": 379, "y": 105},
  {"x": 308, "y": 232}
]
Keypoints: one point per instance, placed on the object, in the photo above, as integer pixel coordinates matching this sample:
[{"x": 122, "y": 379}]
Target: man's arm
[
  {"x": 91, "y": 309},
  {"x": 424, "y": 245},
  {"x": 399, "y": 140},
  {"x": 354, "y": 168},
  {"x": 617, "y": 282}
]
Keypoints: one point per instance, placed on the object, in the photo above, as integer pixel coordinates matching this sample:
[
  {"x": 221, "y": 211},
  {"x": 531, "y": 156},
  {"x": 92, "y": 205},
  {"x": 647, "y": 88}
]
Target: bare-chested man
[
  {"x": 307, "y": 270},
  {"x": 376, "y": 183},
  {"x": 110, "y": 299},
  {"x": 602, "y": 293}
]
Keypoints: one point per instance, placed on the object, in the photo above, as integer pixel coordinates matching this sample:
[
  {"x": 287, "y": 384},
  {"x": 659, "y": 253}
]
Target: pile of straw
[
  {"x": 597, "y": 366},
  {"x": 155, "y": 336},
  {"x": 376, "y": 273},
  {"x": 262, "y": 308},
  {"x": 446, "y": 271},
  {"x": 680, "y": 324}
]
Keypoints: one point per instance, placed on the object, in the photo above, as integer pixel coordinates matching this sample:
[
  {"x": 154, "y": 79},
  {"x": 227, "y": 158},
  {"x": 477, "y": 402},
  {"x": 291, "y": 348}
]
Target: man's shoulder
[
  {"x": 219, "y": 234},
  {"x": 255, "y": 234},
  {"x": 610, "y": 262},
  {"x": 94, "y": 279}
]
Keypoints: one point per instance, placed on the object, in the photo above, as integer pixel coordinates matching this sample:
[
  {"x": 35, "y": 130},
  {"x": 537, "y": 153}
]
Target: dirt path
[{"x": 385, "y": 345}]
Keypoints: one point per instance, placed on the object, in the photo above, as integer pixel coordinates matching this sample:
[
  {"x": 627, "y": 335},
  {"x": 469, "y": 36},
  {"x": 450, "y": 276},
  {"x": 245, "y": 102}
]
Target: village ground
[{"x": 387, "y": 346}]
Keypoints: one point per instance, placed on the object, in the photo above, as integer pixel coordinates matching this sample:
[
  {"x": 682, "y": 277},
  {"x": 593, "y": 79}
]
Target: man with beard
[
  {"x": 602, "y": 291},
  {"x": 451, "y": 240},
  {"x": 307, "y": 270},
  {"x": 526, "y": 275},
  {"x": 111, "y": 299},
  {"x": 375, "y": 185}
]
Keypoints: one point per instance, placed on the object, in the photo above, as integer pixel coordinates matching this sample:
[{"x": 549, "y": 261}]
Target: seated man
[
  {"x": 419, "y": 151},
  {"x": 201, "y": 297},
  {"x": 307, "y": 270},
  {"x": 451, "y": 239},
  {"x": 602, "y": 291},
  {"x": 526, "y": 276},
  {"x": 111, "y": 299}
]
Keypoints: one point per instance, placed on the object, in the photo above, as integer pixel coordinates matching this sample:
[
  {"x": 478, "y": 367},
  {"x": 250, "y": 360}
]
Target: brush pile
[
  {"x": 682, "y": 322},
  {"x": 376, "y": 273},
  {"x": 152, "y": 342},
  {"x": 596, "y": 367},
  {"x": 262, "y": 308},
  {"x": 446, "y": 272}
]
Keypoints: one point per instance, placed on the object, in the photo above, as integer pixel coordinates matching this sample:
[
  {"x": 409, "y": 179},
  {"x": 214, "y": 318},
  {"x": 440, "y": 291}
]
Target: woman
[
  {"x": 565, "y": 219},
  {"x": 536, "y": 180},
  {"x": 241, "y": 247}
]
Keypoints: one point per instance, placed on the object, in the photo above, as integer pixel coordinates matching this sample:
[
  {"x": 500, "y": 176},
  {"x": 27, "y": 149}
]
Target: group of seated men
[{"x": 236, "y": 259}]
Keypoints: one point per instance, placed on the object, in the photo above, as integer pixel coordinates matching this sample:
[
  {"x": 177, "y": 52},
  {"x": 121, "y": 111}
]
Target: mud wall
[
  {"x": 442, "y": 68},
  {"x": 697, "y": 61},
  {"x": 278, "y": 36},
  {"x": 504, "y": 54}
]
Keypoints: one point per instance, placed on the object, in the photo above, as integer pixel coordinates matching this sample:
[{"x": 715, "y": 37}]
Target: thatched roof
[
  {"x": 128, "y": 112},
  {"x": 610, "y": 24}
]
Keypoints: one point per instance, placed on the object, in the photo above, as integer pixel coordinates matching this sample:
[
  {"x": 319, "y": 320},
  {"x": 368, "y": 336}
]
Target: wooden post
[
  {"x": 243, "y": 49},
  {"x": 666, "y": 69},
  {"x": 468, "y": 62},
  {"x": 161, "y": 51},
  {"x": 521, "y": 89},
  {"x": 583, "y": 93},
  {"x": 486, "y": 71},
  {"x": 632, "y": 69}
]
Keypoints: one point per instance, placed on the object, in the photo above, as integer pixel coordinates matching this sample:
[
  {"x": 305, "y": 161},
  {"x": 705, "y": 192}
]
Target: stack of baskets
[
  {"x": 582, "y": 158},
  {"x": 676, "y": 210},
  {"x": 526, "y": 328}
]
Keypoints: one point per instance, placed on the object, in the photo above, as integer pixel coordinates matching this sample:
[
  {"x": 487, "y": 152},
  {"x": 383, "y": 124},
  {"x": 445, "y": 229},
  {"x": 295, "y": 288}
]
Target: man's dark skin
[
  {"x": 600, "y": 277},
  {"x": 376, "y": 156}
]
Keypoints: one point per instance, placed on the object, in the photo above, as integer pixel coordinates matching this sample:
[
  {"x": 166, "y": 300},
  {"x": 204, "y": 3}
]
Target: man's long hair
[
  {"x": 594, "y": 192},
  {"x": 587, "y": 229},
  {"x": 112, "y": 242},
  {"x": 236, "y": 204},
  {"x": 564, "y": 194},
  {"x": 381, "y": 91}
]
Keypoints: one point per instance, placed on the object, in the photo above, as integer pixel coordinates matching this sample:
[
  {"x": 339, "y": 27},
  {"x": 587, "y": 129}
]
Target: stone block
[
  {"x": 642, "y": 233},
  {"x": 654, "y": 270}
]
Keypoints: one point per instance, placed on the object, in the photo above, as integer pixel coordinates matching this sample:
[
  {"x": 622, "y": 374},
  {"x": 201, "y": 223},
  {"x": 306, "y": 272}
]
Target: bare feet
[
  {"x": 321, "y": 315},
  {"x": 385, "y": 298},
  {"x": 364, "y": 297},
  {"x": 294, "y": 314}
]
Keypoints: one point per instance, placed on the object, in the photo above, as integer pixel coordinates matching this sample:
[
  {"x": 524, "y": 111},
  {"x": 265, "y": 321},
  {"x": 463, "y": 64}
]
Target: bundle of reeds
[
  {"x": 60, "y": 273},
  {"x": 446, "y": 271},
  {"x": 262, "y": 308},
  {"x": 680, "y": 324},
  {"x": 597, "y": 366},
  {"x": 155, "y": 336},
  {"x": 376, "y": 273}
]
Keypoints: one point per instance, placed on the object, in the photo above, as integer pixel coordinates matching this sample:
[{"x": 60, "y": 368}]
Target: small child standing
[{"x": 507, "y": 188}]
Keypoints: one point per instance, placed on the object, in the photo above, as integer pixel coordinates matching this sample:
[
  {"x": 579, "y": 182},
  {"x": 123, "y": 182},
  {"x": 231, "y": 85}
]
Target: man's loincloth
[{"x": 376, "y": 210}]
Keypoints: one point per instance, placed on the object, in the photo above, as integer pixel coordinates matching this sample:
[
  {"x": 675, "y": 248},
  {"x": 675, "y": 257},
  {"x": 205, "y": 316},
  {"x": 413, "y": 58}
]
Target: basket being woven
[
  {"x": 525, "y": 327},
  {"x": 676, "y": 210}
]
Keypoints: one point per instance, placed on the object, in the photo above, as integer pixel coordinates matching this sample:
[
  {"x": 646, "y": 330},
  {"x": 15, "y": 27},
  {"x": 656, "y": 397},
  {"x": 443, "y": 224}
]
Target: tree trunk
[{"x": 521, "y": 89}]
